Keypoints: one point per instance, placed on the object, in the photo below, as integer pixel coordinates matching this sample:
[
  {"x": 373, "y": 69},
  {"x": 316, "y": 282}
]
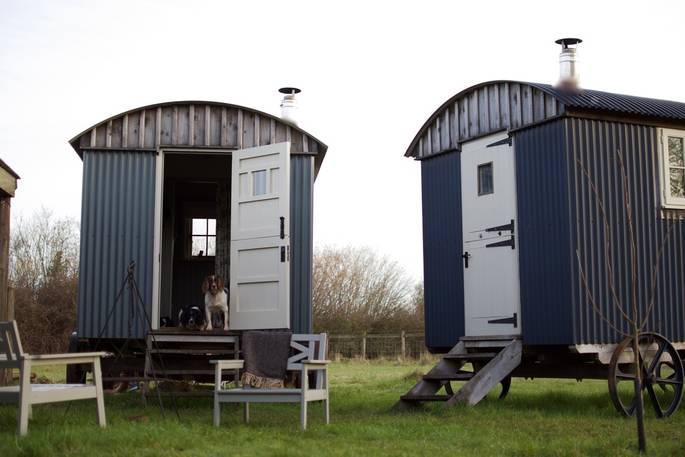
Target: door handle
[
  {"x": 282, "y": 227},
  {"x": 466, "y": 256}
]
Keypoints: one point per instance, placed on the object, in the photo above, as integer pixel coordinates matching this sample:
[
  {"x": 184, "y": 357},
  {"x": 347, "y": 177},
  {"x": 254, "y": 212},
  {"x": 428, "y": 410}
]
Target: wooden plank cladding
[
  {"x": 194, "y": 124},
  {"x": 481, "y": 110}
]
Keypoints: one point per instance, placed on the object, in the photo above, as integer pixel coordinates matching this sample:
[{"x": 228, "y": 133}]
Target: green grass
[{"x": 538, "y": 418}]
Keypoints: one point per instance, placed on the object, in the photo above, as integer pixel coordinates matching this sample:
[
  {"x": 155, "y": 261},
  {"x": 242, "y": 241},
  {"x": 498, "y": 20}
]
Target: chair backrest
[
  {"x": 307, "y": 347},
  {"x": 11, "y": 352}
]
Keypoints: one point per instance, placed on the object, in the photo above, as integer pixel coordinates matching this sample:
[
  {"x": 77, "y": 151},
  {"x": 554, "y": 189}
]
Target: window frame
[
  {"x": 667, "y": 199},
  {"x": 492, "y": 178},
  {"x": 206, "y": 236}
]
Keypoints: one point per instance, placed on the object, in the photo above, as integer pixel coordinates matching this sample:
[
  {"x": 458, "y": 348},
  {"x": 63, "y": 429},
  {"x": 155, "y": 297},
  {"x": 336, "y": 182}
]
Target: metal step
[
  {"x": 458, "y": 376},
  {"x": 425, "y": 397},
  {"x": 471, "y": 356}
]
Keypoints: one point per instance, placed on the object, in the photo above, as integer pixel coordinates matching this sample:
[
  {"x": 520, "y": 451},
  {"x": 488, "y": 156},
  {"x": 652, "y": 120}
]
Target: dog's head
[
  {"x": 212, "y": 284},
  {"x": 191, "y": 317}
]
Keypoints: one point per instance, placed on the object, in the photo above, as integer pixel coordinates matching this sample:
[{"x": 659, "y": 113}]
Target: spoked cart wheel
[{"x": 661, "y": 370}]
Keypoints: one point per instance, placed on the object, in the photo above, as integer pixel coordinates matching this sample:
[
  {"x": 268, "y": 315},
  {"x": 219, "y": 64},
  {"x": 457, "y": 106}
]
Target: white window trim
[{"x": 668, "y": 200}]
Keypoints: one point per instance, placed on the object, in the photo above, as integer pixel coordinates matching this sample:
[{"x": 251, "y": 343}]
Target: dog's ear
[
  {"x": 220, "y": 283},
  {"x": 205, "y": 285}
]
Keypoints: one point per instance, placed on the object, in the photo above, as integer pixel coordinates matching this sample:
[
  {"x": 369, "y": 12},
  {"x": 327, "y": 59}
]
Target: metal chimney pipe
[
  {"x": 289, "y": 104},
  {"x": 568, "y": 72}
]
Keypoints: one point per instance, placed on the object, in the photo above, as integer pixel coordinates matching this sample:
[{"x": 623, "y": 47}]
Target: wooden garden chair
[
  {"x": 26, "y": 394},
  {"x": 310, "y": 354}
]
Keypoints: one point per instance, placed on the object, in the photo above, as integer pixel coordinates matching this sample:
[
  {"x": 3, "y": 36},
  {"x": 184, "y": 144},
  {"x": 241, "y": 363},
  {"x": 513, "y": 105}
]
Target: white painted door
[
  {"x": 260, "y": 238},
  {"x": 490, "y": 254}
]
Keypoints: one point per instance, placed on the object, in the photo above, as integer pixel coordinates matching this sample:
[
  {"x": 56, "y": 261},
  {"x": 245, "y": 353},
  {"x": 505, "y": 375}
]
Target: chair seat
[
  {"x": 44, "y": 387},
  {"x": 278, "y": 395}
]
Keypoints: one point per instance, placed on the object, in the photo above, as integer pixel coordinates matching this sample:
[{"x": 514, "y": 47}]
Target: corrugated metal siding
[
  {"x": 301, "y": 242},
  {"x": 442, "y": 246},
  {"x": 544, "y": 234},
  {"x": 595, "y": 144},
  {"x": 117, "y": 217}
]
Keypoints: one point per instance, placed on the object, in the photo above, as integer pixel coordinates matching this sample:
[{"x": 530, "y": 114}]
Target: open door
[{"x": 260, "y": 238}]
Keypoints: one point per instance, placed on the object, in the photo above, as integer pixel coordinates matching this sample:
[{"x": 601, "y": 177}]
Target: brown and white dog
[{"x": 216, "y": 300}]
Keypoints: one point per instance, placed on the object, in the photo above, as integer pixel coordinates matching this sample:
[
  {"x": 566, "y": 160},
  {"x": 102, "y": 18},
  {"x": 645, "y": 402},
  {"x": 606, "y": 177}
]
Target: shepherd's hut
[{"x": 517, "y": 182}]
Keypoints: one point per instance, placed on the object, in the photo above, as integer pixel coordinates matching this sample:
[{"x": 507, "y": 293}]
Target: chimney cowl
[
  {"x": 569, "y": 76},
  {"x": 289, "y": 104}
]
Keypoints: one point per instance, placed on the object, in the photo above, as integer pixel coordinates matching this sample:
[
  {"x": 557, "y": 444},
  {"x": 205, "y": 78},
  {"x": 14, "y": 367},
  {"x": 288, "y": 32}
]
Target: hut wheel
[{"x": 660, "y": 366}]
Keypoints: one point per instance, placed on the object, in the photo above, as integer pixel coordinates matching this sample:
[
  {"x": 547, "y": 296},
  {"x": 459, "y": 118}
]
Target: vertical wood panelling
[
  {"x": 454, "y": 125},
  {"x": 203, "y": 125}
]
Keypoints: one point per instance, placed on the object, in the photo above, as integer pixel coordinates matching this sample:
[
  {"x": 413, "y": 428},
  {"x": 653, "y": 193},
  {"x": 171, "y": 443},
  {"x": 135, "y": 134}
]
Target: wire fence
[{"x": 386, "y": 346}]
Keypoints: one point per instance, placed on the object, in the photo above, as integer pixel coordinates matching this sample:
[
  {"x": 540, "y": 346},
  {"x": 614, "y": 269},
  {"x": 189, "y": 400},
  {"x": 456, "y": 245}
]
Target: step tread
[
  {"x": 458, "y": 376},
  {"x": 425, "y": 397},
  {"x": 471, "y": 356}
]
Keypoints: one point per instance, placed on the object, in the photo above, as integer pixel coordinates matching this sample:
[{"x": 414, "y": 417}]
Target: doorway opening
[{"x": 196, "y": 212}]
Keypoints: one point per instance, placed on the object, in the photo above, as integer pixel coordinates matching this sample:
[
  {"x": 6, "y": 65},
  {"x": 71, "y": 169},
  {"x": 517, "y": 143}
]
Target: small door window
[
  {"x": 259, "y": 182},
  {"x": 673, "y": 171},
  {"x": 485, "y": 179}
]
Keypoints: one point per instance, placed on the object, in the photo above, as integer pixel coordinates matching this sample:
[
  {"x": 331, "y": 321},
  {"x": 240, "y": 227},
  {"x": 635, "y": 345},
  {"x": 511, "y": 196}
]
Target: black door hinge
[{"x": 507, "y": 320}]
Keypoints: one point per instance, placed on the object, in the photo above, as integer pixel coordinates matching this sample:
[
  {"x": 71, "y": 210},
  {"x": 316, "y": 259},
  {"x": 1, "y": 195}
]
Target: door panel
[
  {"x": 491, "y": 277},
  {"x": 260, "y": 238}
]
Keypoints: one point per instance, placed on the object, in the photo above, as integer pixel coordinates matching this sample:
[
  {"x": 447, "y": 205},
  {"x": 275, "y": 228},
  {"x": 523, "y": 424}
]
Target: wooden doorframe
[{"x": 159, "y": 202}]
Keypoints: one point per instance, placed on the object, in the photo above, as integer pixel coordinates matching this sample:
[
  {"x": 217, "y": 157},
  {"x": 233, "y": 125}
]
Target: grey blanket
[{"x": 266, "y": 357}]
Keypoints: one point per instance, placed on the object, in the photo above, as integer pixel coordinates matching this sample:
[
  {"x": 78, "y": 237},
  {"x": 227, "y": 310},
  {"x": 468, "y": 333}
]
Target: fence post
[
  {"x": 404, "y": 345},
  {"x": 364, "y": 346}
]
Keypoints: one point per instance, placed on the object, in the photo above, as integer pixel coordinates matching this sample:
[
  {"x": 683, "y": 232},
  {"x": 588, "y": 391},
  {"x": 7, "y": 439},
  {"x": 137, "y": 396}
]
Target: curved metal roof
[
  {"x": 195, "y": 124},
  {"x": 503, "y": 104},
  {"x": 619, "y": 103}
]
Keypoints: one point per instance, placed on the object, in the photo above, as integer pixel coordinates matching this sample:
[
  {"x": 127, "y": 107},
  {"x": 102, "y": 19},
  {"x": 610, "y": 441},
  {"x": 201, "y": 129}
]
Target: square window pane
[
  {"x": 258, "y": 182},
  {"x": 211, "y": 245},
  {"x": 677, "y": 182},
  {"x": 199, "y": 246},
  {"x": 485, "y": 179},
  {"x": 199, "y": 226},
  {"x": 675, "y": 151},
  {"x": 211, "y": 227}
]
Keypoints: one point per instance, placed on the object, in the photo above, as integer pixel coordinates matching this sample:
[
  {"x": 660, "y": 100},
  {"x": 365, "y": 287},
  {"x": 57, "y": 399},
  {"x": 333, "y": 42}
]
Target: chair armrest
[
  {"x": 228, "y": 364},
  {"x": 314, "y": 365},
  {"x": 65, "y": 359},
  {"x": 316, "y": 362}
]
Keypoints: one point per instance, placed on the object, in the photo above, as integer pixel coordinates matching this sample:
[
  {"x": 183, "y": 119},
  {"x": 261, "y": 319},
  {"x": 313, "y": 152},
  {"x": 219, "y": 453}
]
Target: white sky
[{"x": 371, "y": 74}]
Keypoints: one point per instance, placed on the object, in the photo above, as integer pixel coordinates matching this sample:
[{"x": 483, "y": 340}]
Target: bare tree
[
  {"x": 44, "y": 274},
  {"x": 356, "y": 290},
  {"x": 633, "y": 317}
]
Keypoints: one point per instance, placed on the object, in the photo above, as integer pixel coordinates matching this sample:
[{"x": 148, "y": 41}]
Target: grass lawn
[{"x": 538, "y": 418}]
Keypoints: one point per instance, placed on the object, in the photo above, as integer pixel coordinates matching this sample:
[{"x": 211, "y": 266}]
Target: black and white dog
[
  {"x": 216, "y": 300},
  {"x": 191, "y": 318}
]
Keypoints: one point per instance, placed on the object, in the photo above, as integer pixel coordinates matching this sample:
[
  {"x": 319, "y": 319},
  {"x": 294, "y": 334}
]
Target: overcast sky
[{"x": 371, "y": 74}]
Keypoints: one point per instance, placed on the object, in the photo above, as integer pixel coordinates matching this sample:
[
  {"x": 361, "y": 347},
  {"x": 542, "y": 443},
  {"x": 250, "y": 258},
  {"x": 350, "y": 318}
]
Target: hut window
[
  {"x": 485, "y": 182},
  {"x": 673, "y": 159},
  {"x": 203, "y": 238}
]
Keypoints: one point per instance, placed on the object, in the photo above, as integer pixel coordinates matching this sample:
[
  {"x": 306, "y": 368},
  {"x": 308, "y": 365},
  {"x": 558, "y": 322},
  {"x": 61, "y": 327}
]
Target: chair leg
[
  {"x": 326, "y": 412},
  {"x": 24, "y": 400},
  {"x": 99, "y": 395},
  {"x": 303, "y": 413},
  {"x": 30, "y": 412},
  {"x": 246, "y": 412},
  {"x": 217, "y": 411}
]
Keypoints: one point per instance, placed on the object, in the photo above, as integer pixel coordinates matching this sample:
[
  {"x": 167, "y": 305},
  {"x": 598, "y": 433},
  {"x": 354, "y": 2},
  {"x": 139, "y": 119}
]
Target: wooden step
[
  {"x": 193, "y": 351},
  {"x": 425, "y": 397},
  {"x": 471, "y": 356},
  {"x": 458, "y": 376}
]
